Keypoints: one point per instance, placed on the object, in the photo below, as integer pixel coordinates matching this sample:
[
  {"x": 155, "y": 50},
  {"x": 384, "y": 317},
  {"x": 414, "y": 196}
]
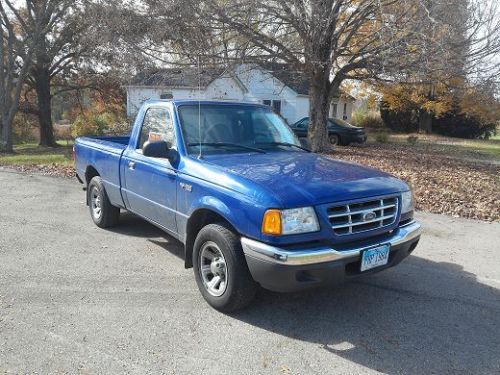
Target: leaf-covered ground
[{"x": 444, "y": 184}]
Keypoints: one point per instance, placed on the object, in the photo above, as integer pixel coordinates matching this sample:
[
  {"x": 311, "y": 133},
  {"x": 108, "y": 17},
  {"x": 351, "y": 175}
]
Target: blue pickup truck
[{"x": 251, "y": 205}]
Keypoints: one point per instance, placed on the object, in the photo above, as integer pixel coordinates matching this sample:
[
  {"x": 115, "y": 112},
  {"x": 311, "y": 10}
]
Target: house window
[
  {"x": 334, "y": 111},
  {"x": 277, "y": 106},
  {"x": 344, "y": 117},
  {"x": 166, "y": 96},
  {"x": 274, "y": 104}
]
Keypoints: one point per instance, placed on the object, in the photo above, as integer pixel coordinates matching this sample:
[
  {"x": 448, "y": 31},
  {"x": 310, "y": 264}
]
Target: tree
[
  {"x": 24, "y": 38},
  {"x": 15, "y": 58},
  {"x": 329, "y": 40},
  {"x": 55, "y": 58},
  {"x": 337, "y": 40}
]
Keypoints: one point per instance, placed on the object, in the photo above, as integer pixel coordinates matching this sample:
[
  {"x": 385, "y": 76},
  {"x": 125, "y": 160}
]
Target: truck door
[{"x": 150, "y": 183}]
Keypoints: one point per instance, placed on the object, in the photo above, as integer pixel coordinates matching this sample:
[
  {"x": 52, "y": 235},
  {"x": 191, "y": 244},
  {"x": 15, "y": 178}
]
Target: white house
[{"x": 284, "y": 90}]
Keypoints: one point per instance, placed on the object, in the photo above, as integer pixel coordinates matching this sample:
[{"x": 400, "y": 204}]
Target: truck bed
[
  {"x": 109, "y": 144},
  {"x": 104, "y": 153}
]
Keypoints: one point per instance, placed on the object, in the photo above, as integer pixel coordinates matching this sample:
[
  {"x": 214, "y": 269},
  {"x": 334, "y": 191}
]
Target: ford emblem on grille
[{"x": 369, "y": 216}]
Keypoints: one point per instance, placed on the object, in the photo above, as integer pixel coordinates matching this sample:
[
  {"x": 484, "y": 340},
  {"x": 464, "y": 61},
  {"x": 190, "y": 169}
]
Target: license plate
[{"x": 375, "y": 257}]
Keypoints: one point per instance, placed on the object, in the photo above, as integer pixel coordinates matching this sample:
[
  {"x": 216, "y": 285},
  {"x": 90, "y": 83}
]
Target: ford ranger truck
[{"x": 252, "y": 206}]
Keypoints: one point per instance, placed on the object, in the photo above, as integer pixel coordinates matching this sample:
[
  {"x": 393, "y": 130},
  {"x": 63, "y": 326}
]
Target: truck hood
[{"x": 299, "y": 179}]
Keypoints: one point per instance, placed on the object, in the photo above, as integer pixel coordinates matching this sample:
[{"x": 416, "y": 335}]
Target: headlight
[
  {"x": 407, "y": 202},
  {"x": 293, "y": 221}
]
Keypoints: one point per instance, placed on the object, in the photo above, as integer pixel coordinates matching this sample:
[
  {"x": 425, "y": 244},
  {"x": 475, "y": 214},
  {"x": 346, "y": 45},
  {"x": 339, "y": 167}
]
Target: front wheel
[{"x": 220, "y": 269}]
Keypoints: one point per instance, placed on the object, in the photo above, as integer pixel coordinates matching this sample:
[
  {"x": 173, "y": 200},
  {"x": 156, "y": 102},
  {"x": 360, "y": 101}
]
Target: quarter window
[{"x": 157, "y": 126}]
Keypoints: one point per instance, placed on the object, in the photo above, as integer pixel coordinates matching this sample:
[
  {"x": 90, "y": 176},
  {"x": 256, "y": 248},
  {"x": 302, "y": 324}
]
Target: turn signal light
[{"x": 271, "y": 224}]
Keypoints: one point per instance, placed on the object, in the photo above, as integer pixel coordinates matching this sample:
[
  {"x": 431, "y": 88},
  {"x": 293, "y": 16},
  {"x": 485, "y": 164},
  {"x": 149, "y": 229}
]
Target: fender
[{"x": 204, "y": 210}]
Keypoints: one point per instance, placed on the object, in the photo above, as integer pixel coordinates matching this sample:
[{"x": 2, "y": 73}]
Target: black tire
[
  {"x": 334, "y": 139},
  {"x": 109, "y": 215},
  {"x": 240, "y": 288}
]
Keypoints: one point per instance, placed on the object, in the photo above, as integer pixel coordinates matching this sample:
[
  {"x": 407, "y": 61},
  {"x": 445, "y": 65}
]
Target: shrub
[
  {"x": 456, "y": 124},
  {"x": 369, "y": 120},
  {"x": 399, "y": 121},
  {"x": 453, "y": 123},
  {"x": 63, "y": 132},
  {"x": 90, "y": 124},
  {"x": 103, "y": 123},
  {"x": 24, "y": 128},
  {"x": 382, "y": 137}
]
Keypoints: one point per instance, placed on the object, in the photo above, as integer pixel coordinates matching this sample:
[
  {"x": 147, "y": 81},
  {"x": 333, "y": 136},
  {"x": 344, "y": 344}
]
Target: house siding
[{"x": 247, "y": 83}]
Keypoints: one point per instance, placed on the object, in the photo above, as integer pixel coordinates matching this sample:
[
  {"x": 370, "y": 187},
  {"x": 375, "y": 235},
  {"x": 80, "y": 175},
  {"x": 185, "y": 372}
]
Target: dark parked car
[{"x": 339, "y": 131}]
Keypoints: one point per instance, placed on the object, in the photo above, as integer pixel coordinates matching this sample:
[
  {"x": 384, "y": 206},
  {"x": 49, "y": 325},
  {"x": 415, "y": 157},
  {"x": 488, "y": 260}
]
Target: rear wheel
[
  {"x": 220, "y": 269},
  {"x": 103, "y": 213},
  {"x": 334, "y": 139}
]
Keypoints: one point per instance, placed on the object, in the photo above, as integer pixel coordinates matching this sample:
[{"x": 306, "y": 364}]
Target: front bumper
[
  {"x": 286, "y": 270},
  {"x": 354, "y": 138}
]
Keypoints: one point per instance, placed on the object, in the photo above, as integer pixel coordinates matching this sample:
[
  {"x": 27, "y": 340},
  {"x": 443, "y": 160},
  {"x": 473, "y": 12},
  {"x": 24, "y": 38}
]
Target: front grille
[{"x": 363, "y": 216}]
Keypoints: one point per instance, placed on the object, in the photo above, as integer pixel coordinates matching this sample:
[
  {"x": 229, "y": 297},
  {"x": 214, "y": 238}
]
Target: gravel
[{"x": 78, "y": 299}]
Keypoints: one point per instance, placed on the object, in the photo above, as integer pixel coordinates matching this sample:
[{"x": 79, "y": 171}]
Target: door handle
[{"x": 131, "y": 165}]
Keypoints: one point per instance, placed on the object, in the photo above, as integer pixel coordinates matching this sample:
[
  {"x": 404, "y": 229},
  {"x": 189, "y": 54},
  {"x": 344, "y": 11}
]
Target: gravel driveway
[{"x": 78, "y": 299}]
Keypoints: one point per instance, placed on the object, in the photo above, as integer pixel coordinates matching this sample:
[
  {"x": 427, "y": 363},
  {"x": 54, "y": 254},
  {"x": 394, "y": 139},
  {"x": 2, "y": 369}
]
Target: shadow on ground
[
  {"x": 419, "y": 317},
  {"x": 132, "y": 225}
]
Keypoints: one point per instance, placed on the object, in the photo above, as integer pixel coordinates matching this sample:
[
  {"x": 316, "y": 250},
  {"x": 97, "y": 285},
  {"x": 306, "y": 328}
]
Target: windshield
[
  {"x": 342, "y": 123},
  {"x": 233, "y": 128}
]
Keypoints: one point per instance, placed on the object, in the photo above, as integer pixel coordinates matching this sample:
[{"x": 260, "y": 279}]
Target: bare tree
[
  {"x": 329, "y": 40},
  {"x": 25, "y": 27},
  {"x": 55, "y": 58},
  {"x": 15, "y": 59},
  {"x": 337, "y": 40}
]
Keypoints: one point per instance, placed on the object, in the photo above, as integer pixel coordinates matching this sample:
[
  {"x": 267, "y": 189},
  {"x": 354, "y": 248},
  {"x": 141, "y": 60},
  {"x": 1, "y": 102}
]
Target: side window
[
  {"x": 157, "y": 126},
  {"x": 303, "y": 124}
]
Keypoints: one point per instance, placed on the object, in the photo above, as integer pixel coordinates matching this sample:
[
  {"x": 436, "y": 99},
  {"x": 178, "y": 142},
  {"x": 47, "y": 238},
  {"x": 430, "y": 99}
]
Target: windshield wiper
[
  {"x": 286, "y": 144},
  {"x": 226, "y": 144}
]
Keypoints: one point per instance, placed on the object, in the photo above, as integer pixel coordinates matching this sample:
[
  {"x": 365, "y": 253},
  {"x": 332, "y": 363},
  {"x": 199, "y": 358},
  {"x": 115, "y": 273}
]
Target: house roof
[
  {"x": 176, "y": 77},
  {"x": 189, "y": 77},
  {"x": 296, "y": 80}
]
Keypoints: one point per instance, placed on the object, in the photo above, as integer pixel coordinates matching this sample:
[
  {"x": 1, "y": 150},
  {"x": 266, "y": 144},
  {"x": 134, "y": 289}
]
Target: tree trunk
[
  {"x": 42, "y": 86},
  {"x": 5, "y": 137},
  {"x": 319, "y": 107},
  {"x": 425, "y": 122}
]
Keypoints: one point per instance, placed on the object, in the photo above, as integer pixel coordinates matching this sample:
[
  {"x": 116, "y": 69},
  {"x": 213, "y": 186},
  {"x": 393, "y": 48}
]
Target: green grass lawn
[
  {"x": 496, "y": 137},
  {"x": 32, "y": 154},
  {"x": 457, "y": 147}
]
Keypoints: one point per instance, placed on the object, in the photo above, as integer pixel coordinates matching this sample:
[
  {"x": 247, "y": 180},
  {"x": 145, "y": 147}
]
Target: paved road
[{"x": 77, "y": 299}]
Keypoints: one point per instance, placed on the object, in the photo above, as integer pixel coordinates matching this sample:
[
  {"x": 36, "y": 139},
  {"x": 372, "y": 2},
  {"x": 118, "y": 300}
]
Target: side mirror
[{"x": 158, "y": 149}]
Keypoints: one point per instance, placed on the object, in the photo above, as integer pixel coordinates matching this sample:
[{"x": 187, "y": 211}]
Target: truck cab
[{"x": 252, "y": 206}]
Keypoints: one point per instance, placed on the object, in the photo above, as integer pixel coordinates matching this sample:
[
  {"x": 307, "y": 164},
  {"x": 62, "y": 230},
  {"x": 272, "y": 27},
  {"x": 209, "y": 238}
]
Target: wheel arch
[
  {"x": 90, "y": 173},
  {"x": 198, "y": 219}
]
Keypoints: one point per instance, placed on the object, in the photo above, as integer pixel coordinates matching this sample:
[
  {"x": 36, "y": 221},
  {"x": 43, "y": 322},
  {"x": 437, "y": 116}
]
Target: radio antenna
[{"x": 199, "y": 106}]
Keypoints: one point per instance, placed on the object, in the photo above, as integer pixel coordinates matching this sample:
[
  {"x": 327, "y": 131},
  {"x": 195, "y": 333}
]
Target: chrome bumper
[{"x": 270, "y": 253}]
